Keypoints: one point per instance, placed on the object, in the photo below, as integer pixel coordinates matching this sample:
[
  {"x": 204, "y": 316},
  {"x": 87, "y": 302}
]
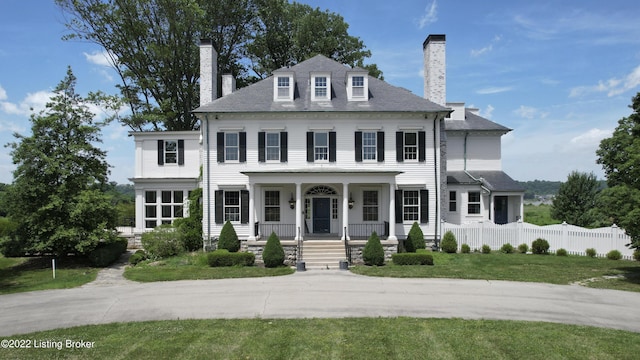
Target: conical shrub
[
  {"x": 416, "y": 237},
  {"x": 373, "y": 253},
  {"x": 273, "y": 254},
  {"x": 449, "y": 243},
  {"x": 228, "y": 238}
]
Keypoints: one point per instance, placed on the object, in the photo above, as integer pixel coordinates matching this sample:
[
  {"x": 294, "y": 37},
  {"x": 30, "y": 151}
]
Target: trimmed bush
[
  {"x": 486, "y": 249},
  {"x": 273, "y": 254},
  {"x": 228, "y": 238},
  {"x": 418, "y": 258},
  {"x": 106, "y": 253},
  {"x": 137, "y": 257},
  {"x": 449, "y": 243},
  {"x": 416, "y": 237},
  {"x": 189, "y": 232},
  {"x": 523, "y": 248},
  {"x": 561, "y": 252},
  {"x": 162, "y": 242},
  {"x": 614, "y": 255},
  {"x": 591, "y": 252},
  {"x": 540, "y": 246},
  {"x": 507, "y": 248},
  {"x": 465, "y": 249},
  {"x": 636, "y": 255},
  {"x": 408, "y": 245},
  {"x": 223, "y": 257},
  {"x": 373, "y": 253}
]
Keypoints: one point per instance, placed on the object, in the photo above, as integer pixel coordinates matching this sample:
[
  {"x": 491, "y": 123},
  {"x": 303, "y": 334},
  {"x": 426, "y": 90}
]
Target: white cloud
[
  {"x": 430, "y": 16},
  {"x": 98, "y": 57},
  {"x": 33, "y": 102},
  {"x": 494, "y": 90},
  {"x": 590, "y": 139},
  {"x": 612, "y": 87},
  {"x": 487, "y": 112},
  {"x": 486, "y": 49},
  {"x": 3, "y": 93},
  {"x": 526, "y": 112}
]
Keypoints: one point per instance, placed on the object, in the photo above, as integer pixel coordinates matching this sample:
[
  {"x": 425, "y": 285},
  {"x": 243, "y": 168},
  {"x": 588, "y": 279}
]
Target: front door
[
  {"x": 321, "y": 215},
  {"x": 501, "y": 206}
]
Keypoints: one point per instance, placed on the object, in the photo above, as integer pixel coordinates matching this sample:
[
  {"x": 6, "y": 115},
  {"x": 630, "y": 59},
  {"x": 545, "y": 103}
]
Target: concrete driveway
[{"x": 316, "y": 294}]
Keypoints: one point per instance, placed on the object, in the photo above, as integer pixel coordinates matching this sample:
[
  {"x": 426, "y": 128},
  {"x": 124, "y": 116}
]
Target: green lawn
[
  {"x": 539, "y": 215},
  {"x": 353, "y": 338},
  {"x": 30, "y": 274},
  {"x": 519, "y": 267},
  {"x": 193, "y": 266}
]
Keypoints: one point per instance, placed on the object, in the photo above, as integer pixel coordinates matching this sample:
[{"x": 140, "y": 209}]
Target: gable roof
[
  {"x": 493, "y": 180},
  {"x": 473, "y": 122},
  {"x": 258, "y": 97}
]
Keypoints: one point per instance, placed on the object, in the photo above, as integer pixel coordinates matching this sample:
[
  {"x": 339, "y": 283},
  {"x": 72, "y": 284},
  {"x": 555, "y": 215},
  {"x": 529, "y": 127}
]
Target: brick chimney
[
  {"x": 208, "y": 72},
  {"x": 435, "y": 74},
  {"x": 228, "y": 84}
]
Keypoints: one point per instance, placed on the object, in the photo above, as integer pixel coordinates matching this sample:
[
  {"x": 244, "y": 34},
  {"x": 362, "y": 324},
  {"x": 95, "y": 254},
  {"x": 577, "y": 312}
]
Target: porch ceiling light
[
  {"x": 292, "y": 202},
  {"x": 351, "y": 201}
]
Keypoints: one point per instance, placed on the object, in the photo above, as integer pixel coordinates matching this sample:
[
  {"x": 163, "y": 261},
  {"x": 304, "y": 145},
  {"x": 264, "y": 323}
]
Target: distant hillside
[{"x": 540, "y": 188}]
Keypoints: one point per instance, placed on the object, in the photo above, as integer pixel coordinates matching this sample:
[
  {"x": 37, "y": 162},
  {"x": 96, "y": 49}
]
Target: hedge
[
  {"x": 106, "y": 253},
  {"x": 223, "y": 257},
  {"x": 419, "y": 258}
]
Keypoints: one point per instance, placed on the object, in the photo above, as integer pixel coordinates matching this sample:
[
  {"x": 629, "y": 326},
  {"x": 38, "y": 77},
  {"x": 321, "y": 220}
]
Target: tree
[
  {"x": 56, "y": 198},
  {"x": 620, "y": 156},
  {"x": 153, "y": 46},
  {"x": 576, "y": 199}
]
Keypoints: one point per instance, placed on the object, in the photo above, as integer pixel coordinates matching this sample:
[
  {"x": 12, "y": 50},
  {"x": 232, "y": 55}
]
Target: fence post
[
  {"x": 481, "y": 235},
  {"x": 614, "y": 236},
  {"x": 565, "y": 235},
  {"x": 519, "y": 226}
]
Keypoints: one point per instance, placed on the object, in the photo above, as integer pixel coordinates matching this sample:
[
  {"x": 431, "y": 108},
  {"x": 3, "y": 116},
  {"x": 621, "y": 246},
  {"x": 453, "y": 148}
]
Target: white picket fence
[{"x": 572, "y": 238}]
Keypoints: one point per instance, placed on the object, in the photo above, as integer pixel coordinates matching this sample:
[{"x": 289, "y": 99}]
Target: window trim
[
  {"x": 163, "y": 206},
  {"x": 325, "y": 86},
  {"x": 373, "y": 148},
  {"x": 477, "y": 203},
  {"x": 283, "y": 83},
  {"x": 406, "y": 206},
  {"x": 277, "y": 148},
  {"x": 453, "y": 202},
  {"x": 372, "y": 206},
  {"x": 272, "y": 206}
]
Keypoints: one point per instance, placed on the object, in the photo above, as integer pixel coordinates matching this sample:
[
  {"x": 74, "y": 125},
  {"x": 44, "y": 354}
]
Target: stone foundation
[
  {"x": 257, "y": 247},
  {"x": 390, "y": 247}
]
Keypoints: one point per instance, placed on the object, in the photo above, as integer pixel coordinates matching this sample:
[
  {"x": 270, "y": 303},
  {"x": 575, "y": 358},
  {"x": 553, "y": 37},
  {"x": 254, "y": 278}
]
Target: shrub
[
  {"x": 523, "y": 248},
  {"x": 540, "y": 246},
  {"x": 486, "y": 249},
  {"x": 591, "y": 252},
  {"x": 162, "y": 242},
  {"x": 223, "y": 257},
  {"x": 636, "y": 255},
  {"x": 507, "y": 248},
  {"x": 449, "y": 243},
  {"x": 137, "y": 257},
  {"x": 561, "y": 252},
  {"x": 228, "y": 238},
  {"x": 273, "y": 254},
  {"x": 189, "y": 231},
  {"x": 465, "y": 249},
  {"x": 106, "y": 253},
  {"x": 419, "y": 258},
  {"x": 416, "y": 237},
  {"x": 373, "y": 253},
  {"x": 408, "y": 245},
  {"x": 614, "y": 255}
]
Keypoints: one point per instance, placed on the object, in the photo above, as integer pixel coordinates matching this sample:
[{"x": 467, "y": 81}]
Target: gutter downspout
[{"x": 436, "y": 147}]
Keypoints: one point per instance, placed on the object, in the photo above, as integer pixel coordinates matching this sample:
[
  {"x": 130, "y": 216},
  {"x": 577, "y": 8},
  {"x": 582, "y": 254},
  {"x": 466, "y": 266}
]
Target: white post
[
  {"x": 53, "y": 266},
  {"x": 299, "y": 211},
  {"x": 252, "y": 220},
  {"x": 565, "y": 235},
  {"x": 392, "y": 212},
  {"x": 345, "y": 211}
]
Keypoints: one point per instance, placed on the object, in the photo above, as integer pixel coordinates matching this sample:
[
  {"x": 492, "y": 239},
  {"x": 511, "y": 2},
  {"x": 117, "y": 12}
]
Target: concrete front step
[{"x": 323, "y": 254}]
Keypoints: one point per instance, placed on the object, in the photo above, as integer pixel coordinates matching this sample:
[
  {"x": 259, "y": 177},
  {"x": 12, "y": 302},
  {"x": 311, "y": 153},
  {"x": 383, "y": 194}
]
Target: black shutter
[
  {"x": 399, "y": 214},
  {"x": 358, "y": 146},
  {"x": 160, "y": 152},
  {"x": 180, "y": 152},
  {"x": 243, "y": 147},
  {"x": 310, "y": 146},
  {"x": 261, "y": 147},
  {"x": 424, "y": 206},
  {"x": 284, "y": 147},
  {"x": 380, "y": 144},
  {"x": 399, "y": 146},
  {"x": 220, "y": 147},
  {"x": 422, "y": 150},
  {"x": 244, "y": 206},
  {"x": 332, "y": 146},
  {"x": 219, "y": 207}
]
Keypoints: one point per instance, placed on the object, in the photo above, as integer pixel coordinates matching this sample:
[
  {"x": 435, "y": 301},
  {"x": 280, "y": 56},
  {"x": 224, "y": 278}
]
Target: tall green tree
[
  {"x": 153, "y": 46},
  {"x": 576, "y": 199},
  {"x": 619, "y": 156},
  {"x": 56, "y": 198}
]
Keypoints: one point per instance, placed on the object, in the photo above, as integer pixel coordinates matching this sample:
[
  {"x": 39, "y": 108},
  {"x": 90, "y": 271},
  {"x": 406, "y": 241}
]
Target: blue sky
[{"x": 560, "y": 74}]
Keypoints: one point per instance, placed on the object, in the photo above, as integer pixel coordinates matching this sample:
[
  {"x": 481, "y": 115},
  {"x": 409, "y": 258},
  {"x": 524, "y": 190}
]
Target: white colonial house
[{"x": 322, "y": 150}]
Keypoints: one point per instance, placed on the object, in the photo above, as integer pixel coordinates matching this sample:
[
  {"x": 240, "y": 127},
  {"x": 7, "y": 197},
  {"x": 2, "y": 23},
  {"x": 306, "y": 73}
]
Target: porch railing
[
  {"x": 363, "y": 231},
  {"x": 284, "y": 231}
]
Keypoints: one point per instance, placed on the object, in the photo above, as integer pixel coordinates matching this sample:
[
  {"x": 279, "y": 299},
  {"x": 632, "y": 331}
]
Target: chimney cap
[
  {"x": 206, "y": 42},
  {"x": 433, "y": 37}
]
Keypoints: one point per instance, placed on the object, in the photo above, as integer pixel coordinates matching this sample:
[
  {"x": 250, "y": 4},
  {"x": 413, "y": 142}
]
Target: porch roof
[
  {"x": 493, "y": 180},
  {"x": 322, "y": 171}
]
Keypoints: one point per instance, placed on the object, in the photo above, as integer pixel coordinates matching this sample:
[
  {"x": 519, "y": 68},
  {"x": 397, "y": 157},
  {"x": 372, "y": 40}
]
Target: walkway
[{"x": 321, "y": 294}]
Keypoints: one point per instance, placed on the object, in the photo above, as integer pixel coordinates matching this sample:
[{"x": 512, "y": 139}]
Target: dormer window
[
  {"x": 357, "y": 86},
  {"x": 283, "y": 85},
  {"x": 321, "y": 83}
]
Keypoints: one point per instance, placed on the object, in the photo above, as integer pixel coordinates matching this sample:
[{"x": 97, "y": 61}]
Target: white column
[
  {"x": 252, "y": 220},
  {"x": 345, "y": 211},
  {"x": 392, "y": 212},
  {"x": 299, "y": 228}
]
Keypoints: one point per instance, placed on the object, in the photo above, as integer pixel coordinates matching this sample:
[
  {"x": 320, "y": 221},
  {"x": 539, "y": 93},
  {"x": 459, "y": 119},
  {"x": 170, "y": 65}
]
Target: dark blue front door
[
  {"x": 321, "y": 215},
  {"x": 501, "y": 209}
]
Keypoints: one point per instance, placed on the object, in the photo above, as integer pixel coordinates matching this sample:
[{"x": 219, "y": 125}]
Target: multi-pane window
[
  {"x": 170, "y": 152},
  {"x": 369, "y": 145},
  {"x": 410, "y": 146},
  {"x": 273, "y": 146},
  {"x": 307, "y": 208},
  {"x": 232, "y": 206},
  {"x": 150, "y": 210},
  {"x": 231, "y": 146},
  {"x": 453, "y": 207},
  {"x": 171, "y": 207},
  {"x": 272, "y": 205},
  {"x": 321, "y": 146},
  {"x": 370, "y": 205},
  {"x": 357, "y": 86},
  {"x": 321, "y": 87},
  {"x": 410, "y": 205},
  {"x": 334, "y": 209},
  {"x": 474, "y": 202},
  {"x": 283, "y": 87}
]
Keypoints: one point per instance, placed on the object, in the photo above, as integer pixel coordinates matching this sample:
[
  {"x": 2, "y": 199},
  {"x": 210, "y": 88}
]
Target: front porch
[{"x": 354, "y": 231}]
